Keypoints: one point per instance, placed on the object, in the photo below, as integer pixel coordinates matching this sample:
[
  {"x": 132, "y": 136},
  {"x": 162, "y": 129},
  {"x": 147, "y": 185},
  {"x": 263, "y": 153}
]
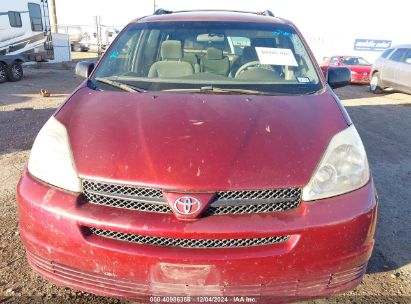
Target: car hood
[{"x": 200, "y": 142}]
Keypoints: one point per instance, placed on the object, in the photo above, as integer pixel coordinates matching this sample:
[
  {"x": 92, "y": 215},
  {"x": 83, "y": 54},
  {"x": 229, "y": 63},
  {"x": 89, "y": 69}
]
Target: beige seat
[
  {"x": 215, "y": 62},
  {"x": 192, "y": 59},
  {"x": 171, "y": 64}
]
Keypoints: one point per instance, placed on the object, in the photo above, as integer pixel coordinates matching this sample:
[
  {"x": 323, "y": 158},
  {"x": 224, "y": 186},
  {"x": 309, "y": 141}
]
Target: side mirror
[
  {"x": 338, "y": 77},
  {"x": 84, "y": 68}
]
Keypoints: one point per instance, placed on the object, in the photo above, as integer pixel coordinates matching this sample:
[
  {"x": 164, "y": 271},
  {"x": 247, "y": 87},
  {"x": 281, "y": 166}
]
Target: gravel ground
[{"x": 384, "y": 122}]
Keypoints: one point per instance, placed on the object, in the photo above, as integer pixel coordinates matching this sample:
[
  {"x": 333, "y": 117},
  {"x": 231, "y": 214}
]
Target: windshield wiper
[
  {"x": 231, "y": 90},
  {"x": 220, "y": 90},
  {"x": 120, "y": 85},
  {"x": 312, "y": 92}
]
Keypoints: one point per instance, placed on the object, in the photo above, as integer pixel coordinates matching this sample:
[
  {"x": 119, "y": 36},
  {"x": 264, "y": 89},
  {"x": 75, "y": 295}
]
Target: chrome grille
[
  {"x": 121, "y": 190},
  {"x": 125, "y": 197},
  {"x": 125, "y": 203},
  {"x": 225, "y": 202},
  {"x": 188, "y": 243},
  {"x": 255, "y": 201},
  {"x": 259, "y": 194},
  {"x": 255, "y": 208}
]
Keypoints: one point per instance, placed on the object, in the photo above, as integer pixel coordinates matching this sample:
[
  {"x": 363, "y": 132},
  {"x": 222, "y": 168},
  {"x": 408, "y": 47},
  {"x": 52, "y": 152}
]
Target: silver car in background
[{"x": 392, "y": 69}]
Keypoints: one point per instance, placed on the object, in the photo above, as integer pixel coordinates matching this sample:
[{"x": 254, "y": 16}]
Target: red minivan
[{"x": 205, "y": 157}]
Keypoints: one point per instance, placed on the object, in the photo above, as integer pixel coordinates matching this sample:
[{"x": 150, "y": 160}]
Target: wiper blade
[
  {"x": 120, "y": 85},
  {"x": 311, "y": 92},
  {"x": 212, "y": 89},
  {"x": 231, "y": 90}
]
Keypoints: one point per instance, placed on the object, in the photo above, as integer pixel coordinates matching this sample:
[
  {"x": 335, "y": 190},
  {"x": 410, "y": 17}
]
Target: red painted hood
[
  {"x": 360, "y": 68},
  {"x": 199, "y": 142}
]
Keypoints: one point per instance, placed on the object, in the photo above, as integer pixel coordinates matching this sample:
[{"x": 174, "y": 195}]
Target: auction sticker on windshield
[
  {"x": 276, "y": 56},
  {"x": 303, "y": 79}
]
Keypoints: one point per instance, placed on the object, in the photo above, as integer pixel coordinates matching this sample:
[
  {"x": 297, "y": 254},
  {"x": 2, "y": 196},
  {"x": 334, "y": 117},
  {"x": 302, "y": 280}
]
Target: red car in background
[{"x": 359, "y": 67}]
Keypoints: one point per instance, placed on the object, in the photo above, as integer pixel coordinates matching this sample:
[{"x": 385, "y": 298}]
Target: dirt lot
[{"x": 384, "y": 122}]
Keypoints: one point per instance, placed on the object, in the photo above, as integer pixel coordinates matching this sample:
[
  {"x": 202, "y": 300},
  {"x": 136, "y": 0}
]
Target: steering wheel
[{"x": 247, "y": 66}]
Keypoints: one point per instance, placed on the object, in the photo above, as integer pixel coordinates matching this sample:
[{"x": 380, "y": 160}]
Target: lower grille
[{"x": 188, "y": 243}]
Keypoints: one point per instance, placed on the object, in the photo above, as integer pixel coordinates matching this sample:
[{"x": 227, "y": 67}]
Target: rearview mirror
[
  {"x": 210, "y": 37},
  {"x": 338, "y": 77},
  {"x": 84, "y": 68}
]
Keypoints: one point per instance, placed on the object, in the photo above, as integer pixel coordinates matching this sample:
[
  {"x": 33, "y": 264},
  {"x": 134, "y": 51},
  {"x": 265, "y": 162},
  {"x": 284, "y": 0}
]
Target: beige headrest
[
  {"x": 214, "y": 53},
  {"x": 171, "y": 50}
]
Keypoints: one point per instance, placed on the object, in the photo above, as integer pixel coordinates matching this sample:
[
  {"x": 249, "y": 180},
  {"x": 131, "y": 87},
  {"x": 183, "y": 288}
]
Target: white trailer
[
  {"x": 25, "y": 35},
  {"x": 76, "y": 36},
  {"x": 91, "y": 39}
]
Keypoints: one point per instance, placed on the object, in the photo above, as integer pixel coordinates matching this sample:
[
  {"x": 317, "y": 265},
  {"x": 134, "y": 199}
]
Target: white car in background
[{"x": 392, "y": 69}]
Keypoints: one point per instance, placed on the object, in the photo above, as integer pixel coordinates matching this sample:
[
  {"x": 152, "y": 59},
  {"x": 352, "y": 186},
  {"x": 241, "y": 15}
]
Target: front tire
[
  {"x": 3, "y": 72},
  {"x": 375, "y": 84},
  {"x": 15, "y": 72}
]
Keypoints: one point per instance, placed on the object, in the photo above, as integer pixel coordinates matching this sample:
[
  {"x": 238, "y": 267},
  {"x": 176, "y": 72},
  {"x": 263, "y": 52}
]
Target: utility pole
[
  {"x": 97, "y": 21},
  {"x": 155, "y": 6},
  {"x": 53, "y": 15}
]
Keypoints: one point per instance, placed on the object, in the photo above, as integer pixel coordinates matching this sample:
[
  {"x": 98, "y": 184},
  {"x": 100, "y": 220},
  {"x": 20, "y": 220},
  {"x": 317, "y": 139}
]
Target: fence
[{"x": 90, "y": 37}]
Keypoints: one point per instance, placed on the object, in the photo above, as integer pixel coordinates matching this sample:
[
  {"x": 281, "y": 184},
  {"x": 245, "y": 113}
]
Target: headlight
[
  {"x": 343, "y": 167},
  {"x": 51, "y": 159},
  {"x": 353, "y": 73}
]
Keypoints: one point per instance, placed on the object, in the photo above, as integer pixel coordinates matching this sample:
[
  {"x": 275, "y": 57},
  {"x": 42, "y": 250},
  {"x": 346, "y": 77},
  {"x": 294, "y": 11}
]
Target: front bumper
[{"x": 330, "y": 244}]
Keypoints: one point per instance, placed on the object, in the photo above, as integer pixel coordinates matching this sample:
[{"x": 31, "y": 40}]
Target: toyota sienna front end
[{"x": 204, "y": 155}]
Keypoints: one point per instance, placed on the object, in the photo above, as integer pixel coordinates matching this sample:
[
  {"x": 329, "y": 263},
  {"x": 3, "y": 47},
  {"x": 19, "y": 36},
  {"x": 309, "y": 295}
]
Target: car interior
[
  {"x": 184, "y": 58},
  {"x": 171, "y": 63},
  {"x": 207, "y": 55}
]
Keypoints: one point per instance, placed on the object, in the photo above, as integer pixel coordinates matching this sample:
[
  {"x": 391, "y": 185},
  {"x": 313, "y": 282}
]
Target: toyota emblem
[{"x": 187, "y": 205}]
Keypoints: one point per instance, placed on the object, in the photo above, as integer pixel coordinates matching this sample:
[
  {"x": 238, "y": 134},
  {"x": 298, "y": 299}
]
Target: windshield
[
  {"x": 190, "y": 56},
  {"x": 354, "y": 61}
]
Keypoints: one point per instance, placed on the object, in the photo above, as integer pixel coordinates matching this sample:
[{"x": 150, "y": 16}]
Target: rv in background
[{"x": 24, "y": 36}]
